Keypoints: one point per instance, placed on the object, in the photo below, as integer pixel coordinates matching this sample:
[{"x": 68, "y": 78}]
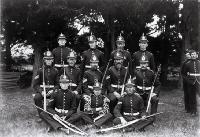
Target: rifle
[
  {"x": 105, "y": 72},
  {"x": 152, "y": 88},
  {"x": 44, "y": 90},
  {"x": 122, "y": 92},
  {"x": 120, "y": 126},
  {"x": 65, "y": 123}
]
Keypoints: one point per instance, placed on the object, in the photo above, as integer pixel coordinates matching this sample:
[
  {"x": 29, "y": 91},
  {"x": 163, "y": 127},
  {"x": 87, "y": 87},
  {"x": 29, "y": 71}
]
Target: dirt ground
[{"x": 18, "y": 118}]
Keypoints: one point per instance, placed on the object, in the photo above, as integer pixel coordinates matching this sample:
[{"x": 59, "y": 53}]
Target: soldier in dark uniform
[
  {"x": 191, "y": 74},
  {"x": 143, "y": 43},
  {"x": 62, "y": 104},
  {"x": 130, "y": 107},
  {"x": 50, "y": 77},
  {"x": 91, "y": 75},
  {"x": 86, "y": 55},
  {"x": 115, "y": 78},
  {"x": 144, "y": 78},
  {"x": 74, "y": 75},
  {"x": 96, "y": 108},
  {"x": 185, "y": 86},
  {"x": 60, "y": 53},
  {"x": 120, "y": 42}
]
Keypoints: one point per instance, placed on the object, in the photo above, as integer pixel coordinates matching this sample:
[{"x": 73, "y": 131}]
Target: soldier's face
[
  {"x": 143, "y": 46},
  {"x": 120, "y": 45},
  {"x": 62, "y": 42},
  {"x": 71, "y": 61},
  {"x": 118, "y": 63},
  {"x": 193, "y": 55},
  {"x": 92, "y": 44},
  {"x": 130, "y": 90},
  {"x": 94, "y": 65},
  {"x": 64, "y": 85},
  {"x": 48, "y": 62},
  {"x": 187, "y": 55},
  {"x": 144, "y": 65},
  {"x": 97, "y": 92}
]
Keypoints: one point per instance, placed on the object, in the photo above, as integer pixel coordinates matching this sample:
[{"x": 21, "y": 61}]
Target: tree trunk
[{"x": 37, "y": 61}]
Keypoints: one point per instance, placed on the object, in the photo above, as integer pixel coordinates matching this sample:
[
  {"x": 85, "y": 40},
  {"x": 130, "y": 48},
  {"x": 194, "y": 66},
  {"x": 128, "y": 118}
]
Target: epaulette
[
  {"x": 138, "y": 95},
  {"x": 106, "y": 99}
]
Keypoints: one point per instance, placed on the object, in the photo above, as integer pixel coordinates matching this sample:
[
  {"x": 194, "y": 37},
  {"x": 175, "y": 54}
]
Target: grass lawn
[{"x": 18, "y": 118}]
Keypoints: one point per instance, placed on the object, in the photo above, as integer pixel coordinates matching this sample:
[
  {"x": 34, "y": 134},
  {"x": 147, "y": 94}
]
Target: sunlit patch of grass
[{"x": 18, "y": 118}]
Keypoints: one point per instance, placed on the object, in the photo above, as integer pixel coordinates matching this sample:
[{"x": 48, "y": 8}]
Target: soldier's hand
[
  {"x": 75, "y": 92},
  {"x": 123, "y": 121},
  {"x": 55, "y": 116},
  {"x": 99, "y": 109},
  {"x": 153, "y": 94},
  {"x": 50, "y": 92},
  {"x": 117, "y": 94},
  {"x": 143, "y": 117}
]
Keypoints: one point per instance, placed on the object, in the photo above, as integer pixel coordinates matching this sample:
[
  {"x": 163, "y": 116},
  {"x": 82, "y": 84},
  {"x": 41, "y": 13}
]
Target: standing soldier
[
  {"x": 120, "y": 42},
  {"x": 47, "y": 74},
  {"x": 191, "y": 74},
  {"x": 144, "y": 80},
  {"x": 60, "y": 53},
  {"x": 96, "y": 108},
  {"x": 86, "y": 55},
  {"x": 74, "y": 75},
  {"x": 115, "y": 78},
  {"x": 130, "y": 107},
  {"x": 185, "y": 86},
  {"x": 143, "y": 43},
  {"x": 62, "y": 104}
]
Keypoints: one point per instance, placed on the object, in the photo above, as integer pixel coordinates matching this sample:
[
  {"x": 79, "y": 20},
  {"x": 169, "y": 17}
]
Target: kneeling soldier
[
  {"x": 96, "y": 108},
  {"x": 62, "y": 104},
  {"x": 130, "y": 107}
]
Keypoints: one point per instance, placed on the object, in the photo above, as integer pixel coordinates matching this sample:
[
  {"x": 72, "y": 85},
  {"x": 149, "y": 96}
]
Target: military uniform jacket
[
  {"x": 60, "y": 54},
  {"x": 137, "y": 56},
  {"x": 144, "y": 80},
  {"x": 62, "y": 100},
  {"x": 74, "y": 75},
  {"x": 86, "y": 56},
  {"x": 92, "y": 102},
  {"x": 127, "y": 58},
  {"x": 129, "y": 105},
  {"x": 51, "y": 78},
  {"x": 192, "y": 67},
  {"x": 89, "y": 78},
  {"x": 115, "y": 79}
]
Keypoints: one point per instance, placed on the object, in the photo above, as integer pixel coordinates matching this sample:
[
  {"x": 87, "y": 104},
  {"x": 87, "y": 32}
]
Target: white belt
[
  {"x": 131, "y": 114},
  {"x": 61, "y": 110},
  {"x": 73, "y": 84},
  {"x": 139, "y": 67},
  {"x": 47, "y": 86},
  {"x": 87, "y": 66},
  {"x": 144, "y": 88},
  {"x": 91, "y": 87},
  {"x": 116, "y": 86},
  {"x": 193, "y": 74},
  {"x": 60, "y": 65}
]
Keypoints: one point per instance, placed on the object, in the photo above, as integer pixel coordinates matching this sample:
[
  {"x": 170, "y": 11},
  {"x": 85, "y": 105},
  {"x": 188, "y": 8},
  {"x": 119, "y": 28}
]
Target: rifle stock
[{"x": 105, "y": 72}]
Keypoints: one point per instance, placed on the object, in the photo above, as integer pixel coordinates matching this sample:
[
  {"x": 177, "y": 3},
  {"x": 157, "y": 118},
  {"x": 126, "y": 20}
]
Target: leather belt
[
  {"x": 144, "y": 88},
  {"x": 87, "y": 66},
  {"x": 116, "y": 86},
  {"x": 131, "y": 114},
  {"x": 60, "y": 65},
  {"x": 61, "y": 110},
  {"x": 47, "y": 86}
]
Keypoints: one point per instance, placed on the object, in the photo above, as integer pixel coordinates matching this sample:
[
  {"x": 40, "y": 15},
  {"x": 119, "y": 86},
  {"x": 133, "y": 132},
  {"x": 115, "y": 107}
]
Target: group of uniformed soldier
[{"x": 94, "y": 92}]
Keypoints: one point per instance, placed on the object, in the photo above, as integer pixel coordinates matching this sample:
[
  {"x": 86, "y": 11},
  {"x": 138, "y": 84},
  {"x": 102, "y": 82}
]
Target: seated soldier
[
  {"x": 96, "y": 108},
  {"x": 130, "y": 107},
  {"x": 144, "y": 80},
  {"x": 62, "y": 104}
]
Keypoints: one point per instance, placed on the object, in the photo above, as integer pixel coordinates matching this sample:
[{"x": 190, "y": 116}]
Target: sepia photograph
[{"x": 94, "y": 68}]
